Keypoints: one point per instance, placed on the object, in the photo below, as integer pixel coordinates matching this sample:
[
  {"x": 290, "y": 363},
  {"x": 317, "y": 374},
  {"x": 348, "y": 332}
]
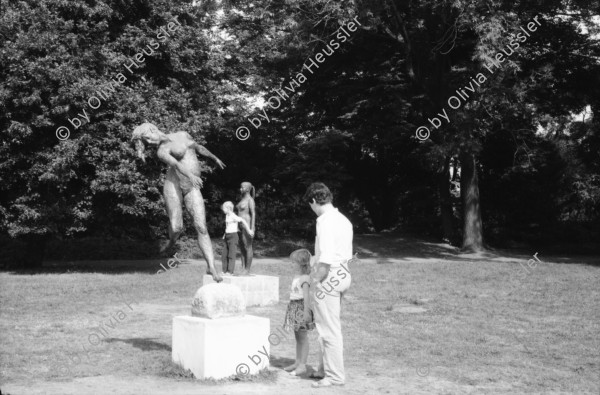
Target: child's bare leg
[
  {"x": 295, "y": 364},
  {"x": 301, "y": 351},
  {"x": 304, "y": 349}
]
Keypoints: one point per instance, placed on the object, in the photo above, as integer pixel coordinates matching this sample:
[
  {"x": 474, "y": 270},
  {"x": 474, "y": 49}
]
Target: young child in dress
[
  {"x": 299, "y": 316},
  {"x": 231, "y": 237}
]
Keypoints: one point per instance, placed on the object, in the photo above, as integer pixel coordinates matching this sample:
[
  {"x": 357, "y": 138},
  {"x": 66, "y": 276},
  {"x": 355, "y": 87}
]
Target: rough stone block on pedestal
[
  {"x": 217, "y": 348},
  {"x": 218, "y": 300},
  {"x": 258, "y": 290}
]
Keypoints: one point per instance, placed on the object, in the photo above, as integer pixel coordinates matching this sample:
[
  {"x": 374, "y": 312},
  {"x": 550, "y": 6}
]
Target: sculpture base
[
  {"x": 221, "y": 347},
  {"x": 258, "y": 290}
]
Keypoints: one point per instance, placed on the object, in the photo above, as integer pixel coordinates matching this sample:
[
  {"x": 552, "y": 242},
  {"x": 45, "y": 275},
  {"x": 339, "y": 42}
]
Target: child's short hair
[
  {"x": 302, "y": 258},
  {"x": 227, "y": 205}
]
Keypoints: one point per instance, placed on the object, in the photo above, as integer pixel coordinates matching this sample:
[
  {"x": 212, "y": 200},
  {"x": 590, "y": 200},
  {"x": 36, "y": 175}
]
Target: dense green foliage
[{"x": 351, "y": 124}]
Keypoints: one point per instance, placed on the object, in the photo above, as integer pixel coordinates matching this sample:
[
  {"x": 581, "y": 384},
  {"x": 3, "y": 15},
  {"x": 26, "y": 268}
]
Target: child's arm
[
  {"x": 243, "y": 222},
  {"x": 305, "y": 291}
]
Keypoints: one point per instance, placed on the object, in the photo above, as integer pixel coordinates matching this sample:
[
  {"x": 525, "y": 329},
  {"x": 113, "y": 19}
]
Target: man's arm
[
  {"x": 315, "y": 261},
  {"x": 201, "y": 150},
  {"x": 324, "y": 249}
]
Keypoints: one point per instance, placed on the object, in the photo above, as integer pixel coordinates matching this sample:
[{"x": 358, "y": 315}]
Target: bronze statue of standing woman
[
  {"x": 247, "y": 210},
  {"x": 182, "y": 185}
]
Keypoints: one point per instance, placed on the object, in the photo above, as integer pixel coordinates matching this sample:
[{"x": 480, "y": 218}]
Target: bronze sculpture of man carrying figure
[{"x": 182, "y": 184}]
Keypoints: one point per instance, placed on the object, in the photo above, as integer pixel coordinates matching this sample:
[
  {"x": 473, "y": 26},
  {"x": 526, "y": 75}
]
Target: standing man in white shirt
[{"x": 330, "y": 279}]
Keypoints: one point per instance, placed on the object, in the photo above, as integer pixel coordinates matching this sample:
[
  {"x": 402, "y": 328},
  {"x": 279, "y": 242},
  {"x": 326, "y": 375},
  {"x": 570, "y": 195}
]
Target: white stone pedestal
[
  {"x": 257, "y": 290},
  {"x": 221, "y": 347}
]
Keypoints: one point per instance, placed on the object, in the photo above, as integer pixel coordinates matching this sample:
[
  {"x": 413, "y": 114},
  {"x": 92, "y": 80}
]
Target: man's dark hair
[{"x": 319, "y": 192}]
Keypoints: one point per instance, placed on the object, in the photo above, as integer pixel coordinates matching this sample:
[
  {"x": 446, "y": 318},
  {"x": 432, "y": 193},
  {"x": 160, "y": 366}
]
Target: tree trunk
[
  {"x": 376, "y": 213},
  {"x": 35, "y": 250},
  {"x": 469, "y": 190},
  {"x": 446, "y": 203}
]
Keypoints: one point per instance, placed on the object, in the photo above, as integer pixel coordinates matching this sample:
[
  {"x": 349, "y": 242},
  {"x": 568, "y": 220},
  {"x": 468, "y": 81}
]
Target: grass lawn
[{"x": 419, "y": 318}]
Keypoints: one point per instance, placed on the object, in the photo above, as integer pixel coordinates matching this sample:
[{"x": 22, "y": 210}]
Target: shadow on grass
[
  {"x": 400, "y": 246},
  {"x": 391, "y": 248},
  {"x": 282, "y": 362},
  {"x": 388, "y": 248},
  {"x": 97, "y": 255},
  {"x": 172, "y": 370},
  {"x": 144, "y": 344},
  {"x": 148, "y": 266}
]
